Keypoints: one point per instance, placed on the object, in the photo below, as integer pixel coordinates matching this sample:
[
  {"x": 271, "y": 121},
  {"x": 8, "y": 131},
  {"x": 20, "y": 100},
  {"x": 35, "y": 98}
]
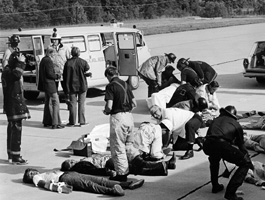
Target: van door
[
  {"x": 96, "y": 57},
  {"x": 127, "y": 54},
  {"x": 38, "y": 51}
]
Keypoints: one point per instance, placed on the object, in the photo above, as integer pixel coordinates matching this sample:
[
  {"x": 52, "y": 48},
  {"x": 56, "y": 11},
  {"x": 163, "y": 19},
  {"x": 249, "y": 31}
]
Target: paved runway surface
[{"x": 190, "y": 180}]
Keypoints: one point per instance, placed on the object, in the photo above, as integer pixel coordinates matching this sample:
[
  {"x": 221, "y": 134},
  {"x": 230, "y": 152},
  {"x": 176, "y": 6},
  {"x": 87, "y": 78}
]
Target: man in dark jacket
[
  {"x": 75, "y": 85},
  {"x": 204, "y": 71},
  {"x": 14, "y": 104},
  {"x": 47, "y": 78},
  {"x": 223, "y": 131}
]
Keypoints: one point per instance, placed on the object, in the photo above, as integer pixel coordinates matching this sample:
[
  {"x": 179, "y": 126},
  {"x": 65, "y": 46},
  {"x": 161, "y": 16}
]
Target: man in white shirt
[{"x": 182, "y": 124}]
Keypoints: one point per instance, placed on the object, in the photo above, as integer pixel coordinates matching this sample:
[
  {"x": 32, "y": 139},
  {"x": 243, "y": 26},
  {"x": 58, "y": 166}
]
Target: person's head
[
  {"x": 67, "y": 165},
  {"x": 156, "y": 112},
  {"x": 169, "y": 69},
  {"x": 14, "y": 40},
  {"x": 75, "y": 52},
  {"x": 29, "y": 174},
  {"x": 55, "y": 38},
  {"x": 110, "y": 72},
  {"x": 202, "y": 104},
  {"x": 50, "y": 52},
  {"x": 213, "y": 86},
  {"x": 229, "y": 111},
  {"x": 182, "y": 63},
  {"x": 171, "y": 57}
]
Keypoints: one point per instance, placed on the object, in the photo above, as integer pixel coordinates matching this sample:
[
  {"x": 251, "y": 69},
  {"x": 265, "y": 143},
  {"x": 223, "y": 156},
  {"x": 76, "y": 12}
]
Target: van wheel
[
  {"x": 260, "y": 80},
  {"x": 31, "y": 95},
  {"x": 133, "y": 81}
]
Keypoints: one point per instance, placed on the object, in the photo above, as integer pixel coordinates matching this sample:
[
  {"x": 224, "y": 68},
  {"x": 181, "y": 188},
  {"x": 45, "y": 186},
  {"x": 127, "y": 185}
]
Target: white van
[{"x": 98, "y": 44}]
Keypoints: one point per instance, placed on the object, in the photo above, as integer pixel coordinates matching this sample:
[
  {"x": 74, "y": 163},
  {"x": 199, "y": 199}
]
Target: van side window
[
  {"x": 139, "y": 41},
  {"x": 75, "y": 41},
  {"x": 94, "y": 43},
  {"x": 125, "y": 41}
]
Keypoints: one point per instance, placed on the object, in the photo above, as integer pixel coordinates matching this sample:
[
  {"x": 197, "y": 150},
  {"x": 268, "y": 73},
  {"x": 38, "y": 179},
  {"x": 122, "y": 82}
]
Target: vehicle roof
[{"x": 63, "y": 31}]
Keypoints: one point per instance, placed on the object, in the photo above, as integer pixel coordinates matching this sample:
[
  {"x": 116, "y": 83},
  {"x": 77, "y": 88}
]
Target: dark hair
[
  {"x": 111, "y": 71},
  {"x": 65, "y": 166},
  {"x": 75, "y": 51},
  {"x": 214, "y": 84},
  {"x": 27, "y": 178}
]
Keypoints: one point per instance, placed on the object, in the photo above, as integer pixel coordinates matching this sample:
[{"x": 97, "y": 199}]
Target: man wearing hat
[
  {"x": 13, "y": 42},
  {"x": 223, "y": 132},
  {"x": 204, "y": 71},
  {"x": 61, "y": 55},
  {"x": 151, "y": 71},
  {"x": 167, "y": 77}
]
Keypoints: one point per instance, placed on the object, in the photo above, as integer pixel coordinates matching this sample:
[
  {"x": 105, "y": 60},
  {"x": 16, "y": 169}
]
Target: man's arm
[{"x": 108, "y": 107}]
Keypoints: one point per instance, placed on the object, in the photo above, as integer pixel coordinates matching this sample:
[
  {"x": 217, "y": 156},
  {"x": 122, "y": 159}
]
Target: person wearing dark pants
[
  {"x": 219, "y": 145},
  {"x": 191, "y": 128},
  {"x": 74, "y": 76},
  {"x": 15, "y": 106}
]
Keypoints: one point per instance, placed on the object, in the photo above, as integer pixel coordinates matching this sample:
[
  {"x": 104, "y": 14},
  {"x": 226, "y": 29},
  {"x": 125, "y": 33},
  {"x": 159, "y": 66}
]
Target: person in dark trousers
[
  {"x": 65, "y": 182},
  {"x": 223, "y": 133},
  {"x": 205, "y": 72},
  {"x": 75, "y": 85},
  {"x": 47, "y": 78},
  {"x": 15, "y": 106},
  {"x": 151, "y": 71},
  {"x": 119, "y": 104}
]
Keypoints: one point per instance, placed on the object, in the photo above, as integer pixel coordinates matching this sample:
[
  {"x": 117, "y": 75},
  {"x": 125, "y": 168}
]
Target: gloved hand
[
  {"x": 248, "y": 160},
  {"x": 88, "y": 74}
]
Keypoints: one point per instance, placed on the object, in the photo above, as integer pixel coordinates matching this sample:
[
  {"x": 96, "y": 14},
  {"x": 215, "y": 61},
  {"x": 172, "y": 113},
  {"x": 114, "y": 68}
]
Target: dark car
[{"x": 254, "y": 65}]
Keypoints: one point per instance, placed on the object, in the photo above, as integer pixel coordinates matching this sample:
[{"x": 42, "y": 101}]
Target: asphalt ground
[{"x": 190, "y": 179}]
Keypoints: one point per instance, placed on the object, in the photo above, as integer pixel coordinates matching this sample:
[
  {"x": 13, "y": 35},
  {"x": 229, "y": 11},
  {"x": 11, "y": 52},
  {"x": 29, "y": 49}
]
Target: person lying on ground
[
  {"x": 52, "y": 180},
  {"x": 255, "y": 142}
]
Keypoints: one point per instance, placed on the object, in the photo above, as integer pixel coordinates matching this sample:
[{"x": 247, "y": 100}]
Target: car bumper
[{"x": 253, "y": 74}]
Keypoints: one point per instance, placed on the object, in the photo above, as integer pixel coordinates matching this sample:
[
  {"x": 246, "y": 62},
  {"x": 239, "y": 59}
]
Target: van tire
[
  {"x": 31, "y": 95},
  {"x": 133, "y": 81},
  {"x": 260, "y": 80}
]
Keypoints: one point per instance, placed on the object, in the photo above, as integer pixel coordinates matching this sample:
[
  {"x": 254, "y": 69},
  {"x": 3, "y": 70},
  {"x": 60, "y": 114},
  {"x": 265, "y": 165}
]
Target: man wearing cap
[
  {"x": 204, "y": 71},
  {"x": 151, "y": 70},
  {"x": 223, "y": 133},
  {"x": 183, "y": 125}
]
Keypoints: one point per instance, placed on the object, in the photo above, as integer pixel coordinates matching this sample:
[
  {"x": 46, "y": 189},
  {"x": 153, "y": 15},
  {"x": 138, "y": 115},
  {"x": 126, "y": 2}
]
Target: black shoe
[
  {"x": 70, "y": 125},
  {"x": 136, "y": 184},
  {"x": 19, "y": 161},
  {"x": 232, "y": 197},
  {"x": 47, "y": 125},
  {"x": 57, "y": 126},
  {"x": 217, "y": 188},
  {"x": 117, "y": 190},
  {"x": 120, "y": 178},
  {"x": 171, "y": 164},
  {"x": 261, "y": 113},
  {"x": 188, "y": 154}
]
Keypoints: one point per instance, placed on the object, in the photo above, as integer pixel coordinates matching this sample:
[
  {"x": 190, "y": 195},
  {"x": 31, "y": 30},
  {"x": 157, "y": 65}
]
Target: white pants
[{"x": 121, "y": 132}]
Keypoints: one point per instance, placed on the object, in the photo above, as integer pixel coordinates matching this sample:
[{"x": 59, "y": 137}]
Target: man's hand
[{"x": 21, "y": 58}]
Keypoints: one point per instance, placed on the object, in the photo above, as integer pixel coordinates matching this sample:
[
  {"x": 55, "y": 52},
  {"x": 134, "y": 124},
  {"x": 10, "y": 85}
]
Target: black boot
[
  {"x": 217, "y": 188},
  {"x": 18, "y": 160}
]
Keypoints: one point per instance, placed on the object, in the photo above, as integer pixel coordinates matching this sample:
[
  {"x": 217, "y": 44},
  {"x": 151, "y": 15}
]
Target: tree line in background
[{"x": 40, "y": 13}]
